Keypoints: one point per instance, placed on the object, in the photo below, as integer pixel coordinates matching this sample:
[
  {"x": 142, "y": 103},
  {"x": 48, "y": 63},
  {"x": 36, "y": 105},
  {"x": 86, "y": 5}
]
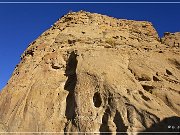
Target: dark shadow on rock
[
  {"x": 120, "y": 126},
  {"x": 104, "y": 128},
  {"x": 171, "y": 124},
  {"x": 70, "y": 84}
]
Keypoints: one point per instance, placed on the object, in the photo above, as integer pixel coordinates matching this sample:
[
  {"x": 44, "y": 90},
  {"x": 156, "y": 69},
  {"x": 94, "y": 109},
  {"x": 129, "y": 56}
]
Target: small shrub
[{"x": 111, "y": 41}]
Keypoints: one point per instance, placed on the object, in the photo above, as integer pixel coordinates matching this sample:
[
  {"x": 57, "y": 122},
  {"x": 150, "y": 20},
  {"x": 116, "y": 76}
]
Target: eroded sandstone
[{"x": 94, "y": 73}]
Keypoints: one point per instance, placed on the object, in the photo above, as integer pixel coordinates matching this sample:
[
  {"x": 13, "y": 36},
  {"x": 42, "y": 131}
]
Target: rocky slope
[{"x": 94, "y": 73}]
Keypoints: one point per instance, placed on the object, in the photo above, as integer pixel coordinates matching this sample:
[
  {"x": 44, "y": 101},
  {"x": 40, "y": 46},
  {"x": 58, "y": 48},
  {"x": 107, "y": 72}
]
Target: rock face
[
  {"x": 94, "y": 73},
  {"x": 171, "y": 39}
]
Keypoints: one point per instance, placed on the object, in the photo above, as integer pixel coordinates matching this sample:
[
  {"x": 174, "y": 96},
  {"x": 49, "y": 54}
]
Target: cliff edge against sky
[{"x": 94, "y": 73}]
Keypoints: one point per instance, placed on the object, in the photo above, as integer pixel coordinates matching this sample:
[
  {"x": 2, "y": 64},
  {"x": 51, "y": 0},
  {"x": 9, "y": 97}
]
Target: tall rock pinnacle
[{"x": 94, "y": 73}]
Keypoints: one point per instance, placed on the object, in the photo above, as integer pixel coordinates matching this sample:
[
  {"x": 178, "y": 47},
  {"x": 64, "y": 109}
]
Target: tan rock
[
  {"x": 171, "y": 39},
  {"x": 93, "y": 73}
]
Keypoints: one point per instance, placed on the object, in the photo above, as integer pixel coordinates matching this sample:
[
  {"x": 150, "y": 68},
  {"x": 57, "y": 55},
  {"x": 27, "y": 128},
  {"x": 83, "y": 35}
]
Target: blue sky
[{"x": 20, "y": 24}]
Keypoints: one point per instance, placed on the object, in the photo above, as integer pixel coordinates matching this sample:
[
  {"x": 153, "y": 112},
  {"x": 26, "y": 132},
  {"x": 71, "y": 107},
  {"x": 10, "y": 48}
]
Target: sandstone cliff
[{"x": 94, "y": 73}]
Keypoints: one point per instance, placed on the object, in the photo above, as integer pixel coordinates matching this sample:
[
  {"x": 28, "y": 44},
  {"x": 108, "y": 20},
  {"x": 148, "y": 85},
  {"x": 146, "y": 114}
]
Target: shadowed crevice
[
  {"x": 70, "y": 72},
  {"x": 104, "y": 128},
  {"x": 120, "y": 126},
  {"x": 69, "y": 86},
  {"x": 169, "y": 126}
]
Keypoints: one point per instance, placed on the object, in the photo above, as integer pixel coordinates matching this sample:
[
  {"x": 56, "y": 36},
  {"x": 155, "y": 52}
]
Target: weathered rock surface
[
  {"x": 93, "y": 73},
  {"x": 171, "y": 39}
]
